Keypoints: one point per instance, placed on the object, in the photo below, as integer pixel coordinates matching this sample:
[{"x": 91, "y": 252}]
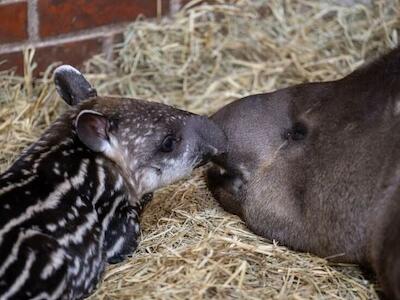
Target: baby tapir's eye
[{"x": 168, "y": 144}]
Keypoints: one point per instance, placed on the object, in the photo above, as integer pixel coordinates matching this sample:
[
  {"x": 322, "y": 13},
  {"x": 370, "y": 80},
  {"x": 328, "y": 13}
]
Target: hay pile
[{"x": 203, "y": 58}]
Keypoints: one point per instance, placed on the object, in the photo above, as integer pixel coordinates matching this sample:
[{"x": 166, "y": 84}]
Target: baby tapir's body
[
  {"x": 317, "y": 167},
  {"x": 63, "y": 213},
  {"x": 71, "y": 201}
]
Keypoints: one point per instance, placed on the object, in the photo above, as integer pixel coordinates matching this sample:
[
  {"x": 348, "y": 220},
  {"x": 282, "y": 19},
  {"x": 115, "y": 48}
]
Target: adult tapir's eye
[
  {"x": 168, "y": 144},
  {"x": 296, "y": 133}
]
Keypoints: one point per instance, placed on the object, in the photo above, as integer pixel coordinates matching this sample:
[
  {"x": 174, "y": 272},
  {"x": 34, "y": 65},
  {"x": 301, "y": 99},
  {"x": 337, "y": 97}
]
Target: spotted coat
[{"x": 64, "y": 212}]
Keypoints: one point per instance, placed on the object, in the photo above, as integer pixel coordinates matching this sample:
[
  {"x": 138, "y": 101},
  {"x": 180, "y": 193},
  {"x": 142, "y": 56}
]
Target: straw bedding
[{"x": 202, "y": 58}]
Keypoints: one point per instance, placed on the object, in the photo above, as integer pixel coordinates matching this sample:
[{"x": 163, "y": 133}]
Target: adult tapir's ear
[
  {"x": 71, "y": 85},
  {"x": 92, "y": 129}
]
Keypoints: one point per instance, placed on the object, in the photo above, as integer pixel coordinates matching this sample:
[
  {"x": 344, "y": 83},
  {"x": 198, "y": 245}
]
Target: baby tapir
[
  {"x": 317, "y": 167},
  {"x": 71, "y": 201}
]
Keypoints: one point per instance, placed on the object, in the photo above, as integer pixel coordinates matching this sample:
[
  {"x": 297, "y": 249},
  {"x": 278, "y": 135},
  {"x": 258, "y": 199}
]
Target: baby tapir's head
[{"x": 153, "y": 144}]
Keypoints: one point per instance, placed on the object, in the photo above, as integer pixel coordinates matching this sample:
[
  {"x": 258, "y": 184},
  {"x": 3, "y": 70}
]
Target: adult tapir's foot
[{"x": 226, "y": 189}]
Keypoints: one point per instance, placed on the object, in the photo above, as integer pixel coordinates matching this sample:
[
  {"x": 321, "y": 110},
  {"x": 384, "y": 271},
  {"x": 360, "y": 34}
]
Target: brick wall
[{"x": 69, "y": 31}]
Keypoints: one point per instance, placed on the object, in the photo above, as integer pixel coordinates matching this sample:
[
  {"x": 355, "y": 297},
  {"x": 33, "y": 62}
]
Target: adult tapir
[{"x": 317, "y": 167}]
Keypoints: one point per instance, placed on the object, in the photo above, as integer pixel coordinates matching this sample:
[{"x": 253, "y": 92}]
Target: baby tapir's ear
[
  {"x": 92, "y": 129},
  {"x": 71, "y": 85}
]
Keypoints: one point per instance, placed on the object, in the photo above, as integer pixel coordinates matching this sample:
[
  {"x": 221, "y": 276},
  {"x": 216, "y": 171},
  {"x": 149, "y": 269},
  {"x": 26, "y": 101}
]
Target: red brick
[
  {"x": 64, "y": 16},
  {"x": 13, "y": 22},
  {"x": 73, "y": 53},
  {"x": 13, "y": 61}
]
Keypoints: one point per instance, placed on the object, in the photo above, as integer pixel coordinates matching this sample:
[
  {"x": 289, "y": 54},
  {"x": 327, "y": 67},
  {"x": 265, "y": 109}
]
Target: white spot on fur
[
  {"x": 139, "y": 140},
  {"x": 137, "y": 228},
  {"x": 51, "y": 227},
  {"x": 26, "y": 172},
  {"x": 62, "y": 222},
  {"x": 79, "y": 202},
  {"x": 76, "y": 267},
  {"x": 28, "y": 158},
  {"x": 56, "y": 171},
  {"x": 12, "y": 186}
]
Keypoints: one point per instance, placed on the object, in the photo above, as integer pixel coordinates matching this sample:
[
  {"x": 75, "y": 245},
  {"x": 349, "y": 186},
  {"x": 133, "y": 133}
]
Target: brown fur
[{"x": 316, "y": 167}]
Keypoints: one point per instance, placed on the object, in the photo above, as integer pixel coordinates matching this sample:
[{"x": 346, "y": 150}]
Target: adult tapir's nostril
[
  {"x": 209, "y": 152},
  {"x": 211, "y": 140},
  {"x": 206, "y": 154},
  {"x": 217, "y": 140}
]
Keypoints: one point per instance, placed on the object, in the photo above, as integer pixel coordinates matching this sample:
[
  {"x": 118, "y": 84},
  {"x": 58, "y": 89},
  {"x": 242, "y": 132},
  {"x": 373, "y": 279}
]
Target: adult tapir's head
[
  {"x": 153, "y": 143},
  {"x": 317, "y": 131},
  {"x": 316, "y": 166}
]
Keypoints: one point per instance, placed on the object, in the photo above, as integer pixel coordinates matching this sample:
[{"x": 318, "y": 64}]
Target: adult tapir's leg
[{"x": 385, "y": 247}]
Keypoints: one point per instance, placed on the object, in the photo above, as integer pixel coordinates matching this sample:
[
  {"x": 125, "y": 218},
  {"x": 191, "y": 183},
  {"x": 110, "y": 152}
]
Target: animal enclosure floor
[{"x": 201, "y": 59}]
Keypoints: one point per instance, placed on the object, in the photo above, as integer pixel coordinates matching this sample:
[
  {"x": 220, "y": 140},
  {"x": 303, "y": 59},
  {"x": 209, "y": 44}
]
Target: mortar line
[
  {"x": 10, "y": 1},
  {"x": 108, "y": 43},
  {"x": 174, "y": 6},
  {"x": 68, "y": 38},
  {"x": 33, "y": 21}
]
